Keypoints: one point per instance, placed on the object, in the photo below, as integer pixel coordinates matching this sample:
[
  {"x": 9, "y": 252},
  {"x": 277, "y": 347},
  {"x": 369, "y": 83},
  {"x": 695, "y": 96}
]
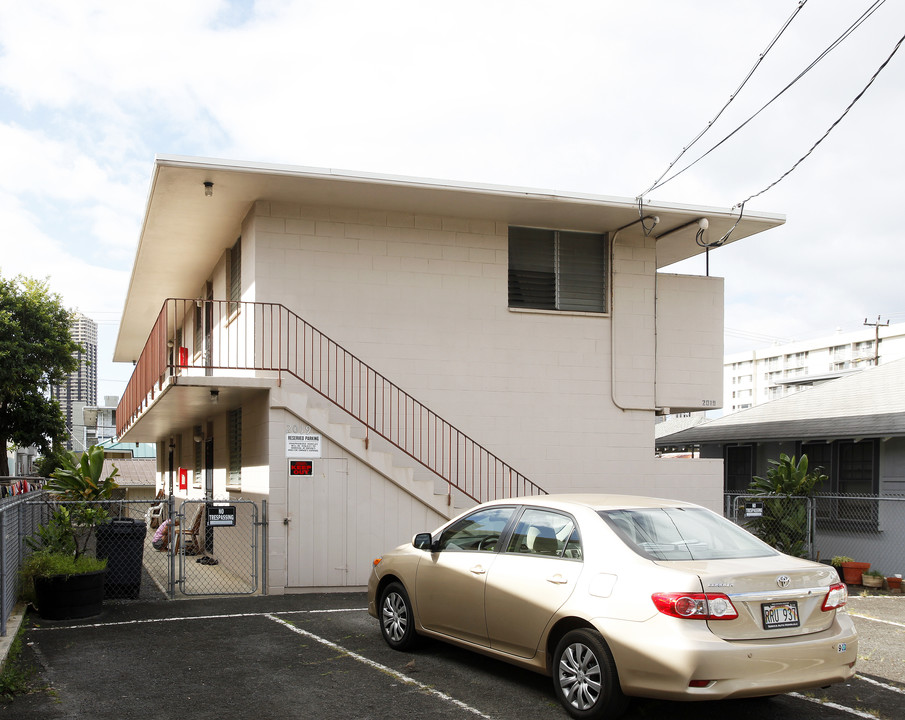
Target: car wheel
[
  {"x": 585, "y": 678},
  {"x": 397, "y": 622}
]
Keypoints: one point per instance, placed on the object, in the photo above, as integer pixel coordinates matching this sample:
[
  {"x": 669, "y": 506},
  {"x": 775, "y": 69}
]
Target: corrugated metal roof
[{"x": 133, "y": 472}]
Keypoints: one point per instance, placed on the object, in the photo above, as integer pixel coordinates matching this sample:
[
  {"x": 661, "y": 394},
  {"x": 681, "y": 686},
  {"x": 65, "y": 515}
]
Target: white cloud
[{"x": 586, "y": 96}]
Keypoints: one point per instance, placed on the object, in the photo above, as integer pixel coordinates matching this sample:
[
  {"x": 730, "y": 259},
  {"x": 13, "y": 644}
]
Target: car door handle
[
  {"x": 557, "y": 579},
  {"x": 478, "y": 570}
]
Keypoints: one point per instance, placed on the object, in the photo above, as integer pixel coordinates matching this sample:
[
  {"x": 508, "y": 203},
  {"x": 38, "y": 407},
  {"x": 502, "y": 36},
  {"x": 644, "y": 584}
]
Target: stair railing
[{"x": 195, "y": 338}]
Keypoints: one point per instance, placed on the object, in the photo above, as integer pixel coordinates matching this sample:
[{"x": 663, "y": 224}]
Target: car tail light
[
  {"x": 835, "y": 598},
  {"x": 695, "y": 606}
]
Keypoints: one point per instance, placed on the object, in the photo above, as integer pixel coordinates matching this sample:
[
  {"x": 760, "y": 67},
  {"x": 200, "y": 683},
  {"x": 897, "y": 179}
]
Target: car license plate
[{"x": 780, "y": 615}]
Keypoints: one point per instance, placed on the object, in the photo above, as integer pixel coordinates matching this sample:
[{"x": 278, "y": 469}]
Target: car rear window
[{"x": 683, "y": 534}]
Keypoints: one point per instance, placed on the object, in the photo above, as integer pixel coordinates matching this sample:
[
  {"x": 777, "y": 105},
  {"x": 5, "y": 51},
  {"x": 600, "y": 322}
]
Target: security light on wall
[
  {"x": 215, "y": 396},
  {"x": 208, "y": 189}
]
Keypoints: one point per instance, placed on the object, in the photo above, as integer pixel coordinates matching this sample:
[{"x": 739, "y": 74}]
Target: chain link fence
[
  {"x": 166, "y": 548},
  {"x": 866, "y": 528},
  {"x": 785, "y": 523},
  {"x": 19, "y": 519},
  {"x": 218, "y": 547}
]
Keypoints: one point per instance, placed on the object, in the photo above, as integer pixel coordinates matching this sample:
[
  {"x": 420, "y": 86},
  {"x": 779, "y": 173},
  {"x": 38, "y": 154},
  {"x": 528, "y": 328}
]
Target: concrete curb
[{"x": 12, "y": 628}]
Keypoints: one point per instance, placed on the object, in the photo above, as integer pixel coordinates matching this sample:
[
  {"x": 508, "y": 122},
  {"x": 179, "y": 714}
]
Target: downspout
[{"x": 616, "y": 232}]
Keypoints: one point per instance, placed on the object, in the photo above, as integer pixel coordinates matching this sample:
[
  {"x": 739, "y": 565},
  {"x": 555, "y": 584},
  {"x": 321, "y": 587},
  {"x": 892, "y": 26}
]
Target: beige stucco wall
[
  {"x": 325, "y": 530},
  {"x": 423, "y": 299}
]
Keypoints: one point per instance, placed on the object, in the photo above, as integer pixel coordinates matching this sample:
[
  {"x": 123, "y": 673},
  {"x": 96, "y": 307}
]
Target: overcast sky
[{"x": 593, "y": 97}]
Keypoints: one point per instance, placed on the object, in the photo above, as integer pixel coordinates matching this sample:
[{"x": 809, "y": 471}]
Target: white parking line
[
  {"x": 194, "y": 617},
  {"x": 833, "y": 705},
  {"x": 377, "y": 666},
  {"x": 893, "y": 688},
  {"x": 868, "y": 617}
]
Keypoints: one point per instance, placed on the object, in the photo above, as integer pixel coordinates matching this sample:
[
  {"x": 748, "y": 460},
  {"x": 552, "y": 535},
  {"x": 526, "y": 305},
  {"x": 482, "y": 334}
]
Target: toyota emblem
[{"x": 783, "y": 581}]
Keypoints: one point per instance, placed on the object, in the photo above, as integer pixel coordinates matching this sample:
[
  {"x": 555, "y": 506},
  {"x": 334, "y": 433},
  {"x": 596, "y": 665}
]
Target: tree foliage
[
  {"x": 787, "y": 477},
  {"x": 784, "y": 523},
  {"x": 36, "y": 351},
  {"x": 82, "y": 487}
]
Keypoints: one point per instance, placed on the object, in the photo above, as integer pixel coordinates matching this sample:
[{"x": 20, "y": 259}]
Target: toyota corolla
[{"x": 619, "y": 596}]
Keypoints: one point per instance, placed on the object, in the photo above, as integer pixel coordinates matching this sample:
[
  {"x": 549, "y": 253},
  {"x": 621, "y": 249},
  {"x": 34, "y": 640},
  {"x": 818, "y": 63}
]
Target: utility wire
[
  {"x": 838, "y": 41},
  {"x": 831, "y": 127},
  {"x": 732, "y": 97}
]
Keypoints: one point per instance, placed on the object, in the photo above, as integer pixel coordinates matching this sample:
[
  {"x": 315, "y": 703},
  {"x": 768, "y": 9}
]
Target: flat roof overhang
[
  {"x": 187, "y": 402},
  {"x": 184, "y": 232}
]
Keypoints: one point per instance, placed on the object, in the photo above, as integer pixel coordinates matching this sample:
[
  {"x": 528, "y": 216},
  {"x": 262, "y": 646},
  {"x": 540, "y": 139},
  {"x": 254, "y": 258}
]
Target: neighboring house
[
  {"x": 371, "y": 354},
  {"x": 759, "y": 376},
  {"x": 100, "y": 421},
  {"x": 853, "y": 429},
  {"x": 137, "y": 477}
]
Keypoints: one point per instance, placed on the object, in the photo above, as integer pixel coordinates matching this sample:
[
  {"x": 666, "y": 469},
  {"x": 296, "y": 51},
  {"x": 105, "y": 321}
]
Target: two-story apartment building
[{"x": 371, "y": 354}]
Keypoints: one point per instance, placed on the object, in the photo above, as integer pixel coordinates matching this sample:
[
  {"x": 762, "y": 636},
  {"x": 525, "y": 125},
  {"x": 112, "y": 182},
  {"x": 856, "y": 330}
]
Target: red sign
[
  {"x": 183, "y": 357},
  {"x": 301, "y": 467},
  {"x": 183, "y": 479}
]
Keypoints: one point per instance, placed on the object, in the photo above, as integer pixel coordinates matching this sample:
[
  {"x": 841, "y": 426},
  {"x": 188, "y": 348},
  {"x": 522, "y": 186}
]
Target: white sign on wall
[{"x": 303, "y": 445}]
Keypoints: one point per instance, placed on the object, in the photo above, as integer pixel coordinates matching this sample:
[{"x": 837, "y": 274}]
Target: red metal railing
[{"x": 194, "y": 337}]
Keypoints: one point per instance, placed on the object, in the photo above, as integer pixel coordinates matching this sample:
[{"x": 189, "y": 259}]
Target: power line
[
  {"x": 831, "y": 127},
  {"x": 838, "y": 41},
  {"x": 732, "y": 97}
]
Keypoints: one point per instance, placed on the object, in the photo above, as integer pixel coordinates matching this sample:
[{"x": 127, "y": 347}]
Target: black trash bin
[{"x": 122, "y": 542}]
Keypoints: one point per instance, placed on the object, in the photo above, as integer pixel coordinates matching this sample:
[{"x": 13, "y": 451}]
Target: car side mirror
[{"x": 423, "y": 541}]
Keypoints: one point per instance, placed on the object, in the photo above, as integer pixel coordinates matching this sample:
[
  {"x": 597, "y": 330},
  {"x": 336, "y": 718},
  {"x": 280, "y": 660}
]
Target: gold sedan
[{"x": 617, "y": 596}]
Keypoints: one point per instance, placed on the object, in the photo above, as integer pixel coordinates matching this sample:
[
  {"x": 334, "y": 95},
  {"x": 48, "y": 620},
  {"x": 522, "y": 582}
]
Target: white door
[{"x": 317, "y": 527}]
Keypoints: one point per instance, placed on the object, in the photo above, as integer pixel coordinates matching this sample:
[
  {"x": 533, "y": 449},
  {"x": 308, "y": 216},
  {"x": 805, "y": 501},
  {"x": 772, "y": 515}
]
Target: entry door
[{"x": 317, "y": 526}]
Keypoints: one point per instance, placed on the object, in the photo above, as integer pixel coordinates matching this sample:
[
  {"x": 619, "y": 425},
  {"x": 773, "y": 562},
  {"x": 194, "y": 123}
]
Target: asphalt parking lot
[{"x": 321, "y": 656}]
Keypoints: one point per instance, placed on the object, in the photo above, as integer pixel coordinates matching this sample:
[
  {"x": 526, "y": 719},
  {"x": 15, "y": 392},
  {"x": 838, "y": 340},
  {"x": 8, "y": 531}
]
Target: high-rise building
[
  {"x": 80, "y": 388},
  {"x": 758, "y": 376}
]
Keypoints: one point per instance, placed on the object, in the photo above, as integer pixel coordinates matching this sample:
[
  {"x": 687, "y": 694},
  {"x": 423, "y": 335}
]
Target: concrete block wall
[{"x": 424, "y": 300}]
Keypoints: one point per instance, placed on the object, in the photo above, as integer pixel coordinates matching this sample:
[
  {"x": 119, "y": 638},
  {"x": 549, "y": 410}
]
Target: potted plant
[
  {"x": 68, "y": 582},
  {"x": 872, "y": 578},
  {"x": 851, "y": 571},
  {"x": 894, "y": 583}
]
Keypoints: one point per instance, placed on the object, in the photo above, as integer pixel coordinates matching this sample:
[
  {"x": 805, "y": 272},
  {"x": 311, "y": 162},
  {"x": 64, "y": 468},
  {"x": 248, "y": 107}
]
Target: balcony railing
[{"x": 220, "y": 337}]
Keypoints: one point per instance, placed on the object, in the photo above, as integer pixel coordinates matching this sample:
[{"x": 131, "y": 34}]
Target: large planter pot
[
  {"x": 852, "y": 571},
  {"x": 63, "y": 597},
  {"x": 894, "y": 583}
]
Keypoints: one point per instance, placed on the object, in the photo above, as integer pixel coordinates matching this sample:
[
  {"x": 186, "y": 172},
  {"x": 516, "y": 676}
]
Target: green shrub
[
  {"x": 784, "y": 523},
  {"x": 48, "y": 564}
]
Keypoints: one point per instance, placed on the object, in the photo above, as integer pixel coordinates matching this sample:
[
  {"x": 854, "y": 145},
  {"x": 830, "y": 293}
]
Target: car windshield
[{"x": 683, "y": 534}]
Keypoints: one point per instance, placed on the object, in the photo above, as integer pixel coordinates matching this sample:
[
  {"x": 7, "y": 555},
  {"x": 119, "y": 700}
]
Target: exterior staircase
[{"x": 336, "y": 393}]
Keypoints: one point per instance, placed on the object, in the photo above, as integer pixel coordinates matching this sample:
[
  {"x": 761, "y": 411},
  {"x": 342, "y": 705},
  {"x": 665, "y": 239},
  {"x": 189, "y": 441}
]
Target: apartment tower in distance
[{"x": 80, "y": 388}]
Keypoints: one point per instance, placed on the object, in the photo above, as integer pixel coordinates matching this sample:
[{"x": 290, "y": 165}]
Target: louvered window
[
  {"x": 199, "y": 457},
  {"x": 557, "y": 270},
  {"x": 234, "y": 439},
  {"x": 198, "y": 324},
  {"x": 235, "y": 276}
]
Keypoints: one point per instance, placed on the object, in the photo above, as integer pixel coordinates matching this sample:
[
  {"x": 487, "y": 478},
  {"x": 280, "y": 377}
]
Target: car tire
[
  {"x": 397, "y": 621},
  {"x": 585, "y": 678}
]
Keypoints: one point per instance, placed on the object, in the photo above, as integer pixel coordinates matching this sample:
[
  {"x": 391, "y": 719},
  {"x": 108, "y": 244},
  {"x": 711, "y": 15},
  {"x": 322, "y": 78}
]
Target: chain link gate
[
  {"x": 783, "y": 522},
  {"x": 217, "y": 547}
]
